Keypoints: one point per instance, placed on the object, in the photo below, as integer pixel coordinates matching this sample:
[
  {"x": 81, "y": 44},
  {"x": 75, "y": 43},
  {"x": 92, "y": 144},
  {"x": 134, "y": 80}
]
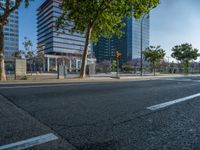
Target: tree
[
  {"x": 30, "y": 54},
  {"x": 163, "y": 66},
  {"x": 114, "y": 65},
  {"x": 104, "y": 66},
  {"x": 41, "y": 60},
  {"x": 18, "y": 54},
  {"x": 27, "y": 44},
  {"x": 154, "y": 54},
  {"x": 128, "y": 67},
  {"x": 98, "y": 18},
  {"x": 7, "y": 8},
  {"x": 185, "y": 54}
]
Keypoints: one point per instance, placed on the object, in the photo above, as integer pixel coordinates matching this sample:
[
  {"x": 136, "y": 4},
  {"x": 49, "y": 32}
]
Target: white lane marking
[
  {"x": 37, "y": 86},
  {"x": 166, "y": 104},
  {"x": 30, "y": 142},
  {"x": 182, "y": 80}
]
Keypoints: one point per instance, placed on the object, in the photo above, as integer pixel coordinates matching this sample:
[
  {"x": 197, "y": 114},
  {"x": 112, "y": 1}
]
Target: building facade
[
  {"x": 129, "y": 44},
  {"x": 11, "y": 34},
  {"x": 58, "y": 45}
]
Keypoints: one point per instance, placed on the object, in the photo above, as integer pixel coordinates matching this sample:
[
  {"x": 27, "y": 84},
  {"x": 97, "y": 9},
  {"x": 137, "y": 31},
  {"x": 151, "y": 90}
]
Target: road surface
[{"x": 126, "y": 115}]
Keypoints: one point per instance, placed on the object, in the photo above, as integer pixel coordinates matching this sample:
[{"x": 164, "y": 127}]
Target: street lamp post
[{"x": 141, "y": 40}]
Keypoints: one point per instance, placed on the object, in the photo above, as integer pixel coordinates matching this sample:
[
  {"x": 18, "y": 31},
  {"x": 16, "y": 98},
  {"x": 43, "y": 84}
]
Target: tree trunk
[
  {"x": 85, "y": 53},
  {"x": 2, "y": 65},
  {"x": 30, "y": 65},
  {"x": 187, "y": 67},
  {"x": 154, "y": 69}
]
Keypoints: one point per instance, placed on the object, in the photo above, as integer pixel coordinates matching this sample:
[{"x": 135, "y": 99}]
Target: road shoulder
[{"x": 17, "y": 125}]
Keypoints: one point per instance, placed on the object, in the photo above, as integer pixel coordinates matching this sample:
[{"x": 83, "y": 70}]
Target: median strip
[
  {"x": 30, "y": 142},
  {"x": 167, "y": 104}
]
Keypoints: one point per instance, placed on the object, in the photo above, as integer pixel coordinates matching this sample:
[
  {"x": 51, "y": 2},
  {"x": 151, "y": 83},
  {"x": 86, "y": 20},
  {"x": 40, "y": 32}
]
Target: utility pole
[
  {"x": 141, "y": 44},
  {"x": 118, "y": 56}
]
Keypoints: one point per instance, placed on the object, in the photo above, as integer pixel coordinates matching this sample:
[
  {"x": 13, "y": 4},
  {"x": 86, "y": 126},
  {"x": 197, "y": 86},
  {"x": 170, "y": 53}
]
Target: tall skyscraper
[
  {"x": 129, "y": 44},
  {"x": 57, "y": 44},
  {"x": 11, "y": 33}
]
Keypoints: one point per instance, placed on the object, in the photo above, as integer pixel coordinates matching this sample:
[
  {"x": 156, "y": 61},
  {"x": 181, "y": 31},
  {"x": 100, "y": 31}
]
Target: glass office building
[
  {"x": 129, "y": 44},
  {"x": 55, "y": 43},
  {"x": 11, "y": 33}
]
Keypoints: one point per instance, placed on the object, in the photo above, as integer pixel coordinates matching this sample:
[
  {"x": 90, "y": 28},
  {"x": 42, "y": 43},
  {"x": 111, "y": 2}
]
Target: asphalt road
[{"x": 104, "y": 116}]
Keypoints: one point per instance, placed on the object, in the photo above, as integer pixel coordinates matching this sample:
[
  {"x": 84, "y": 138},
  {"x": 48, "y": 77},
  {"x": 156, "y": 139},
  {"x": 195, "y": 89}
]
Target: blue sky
[
  {"x": 27, "y": 22},
  {"x": 172, "y": 22}
]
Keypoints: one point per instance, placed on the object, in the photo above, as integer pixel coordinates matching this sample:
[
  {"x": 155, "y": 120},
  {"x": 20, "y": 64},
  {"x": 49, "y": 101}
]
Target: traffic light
[{"x": 118, "y": 55}]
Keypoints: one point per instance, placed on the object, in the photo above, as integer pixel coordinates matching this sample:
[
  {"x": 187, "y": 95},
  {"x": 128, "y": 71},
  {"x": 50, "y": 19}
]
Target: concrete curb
[{"x": 91, "y": 79}]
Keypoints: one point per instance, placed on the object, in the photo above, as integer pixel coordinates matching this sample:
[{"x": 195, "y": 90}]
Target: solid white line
[
  {"x": 30, "y": 142},
  {"x": 166, "y": 104},
  {"x": 37, "y": 86},
  {"x": 183, "y": 80}
]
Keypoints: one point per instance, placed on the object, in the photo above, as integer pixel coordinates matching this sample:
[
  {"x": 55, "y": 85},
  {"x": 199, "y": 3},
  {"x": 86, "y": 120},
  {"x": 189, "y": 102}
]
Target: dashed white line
[
  {"x": 30, "y": 142},
  {"x": 166, "y": 104}
]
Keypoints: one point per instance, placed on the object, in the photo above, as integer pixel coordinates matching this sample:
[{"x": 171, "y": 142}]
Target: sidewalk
[{"x": 74, "y": 78}]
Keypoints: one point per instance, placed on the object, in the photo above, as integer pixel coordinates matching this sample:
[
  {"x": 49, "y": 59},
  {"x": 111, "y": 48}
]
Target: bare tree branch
[
  {"x": 1, "y": 6},
  {"x": 16, "y": 6},
  {"x": 9, "y": 9}
]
